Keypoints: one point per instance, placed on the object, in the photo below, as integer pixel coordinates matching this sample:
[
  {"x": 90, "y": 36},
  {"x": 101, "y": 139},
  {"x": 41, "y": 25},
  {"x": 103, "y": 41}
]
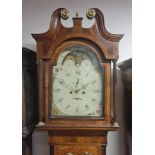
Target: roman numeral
[
  {"x": 96, "y": 91},
  {"x": 86, "y": 106},
  {"x": 61, "y": 81},
  {"x": 57, "y": 90},
  {"x": 56, "y": 69},
  {"x": 94, "y": 81},
  {"x": 86, "y": 75},
  {"x": 78, "y": 72},
  {"x": 60, "y": 99},
  {"x": 93, "y": 100},
  {"x": 67, "y": 106},
  {"x": 77, "y": 109},
  {"x": 68, "y": 74}
]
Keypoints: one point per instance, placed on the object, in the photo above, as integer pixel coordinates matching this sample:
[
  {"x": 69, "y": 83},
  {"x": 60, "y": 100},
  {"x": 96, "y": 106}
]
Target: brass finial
[
  {"x": 115, "y": 125},
  {"x": 77, "y": 14},
  {"x": 40, "y": 124},
  {"x": 64, "y": 14},
  {"x": 91, "y": 13}
]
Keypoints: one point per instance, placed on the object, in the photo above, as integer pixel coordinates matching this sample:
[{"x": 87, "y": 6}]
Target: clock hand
[
  {"x": 64, "y": 84},
  {"x": 67, "y": 86},
  {"x": 77, "y": 83},
  {"x": 84, "y": 86}
]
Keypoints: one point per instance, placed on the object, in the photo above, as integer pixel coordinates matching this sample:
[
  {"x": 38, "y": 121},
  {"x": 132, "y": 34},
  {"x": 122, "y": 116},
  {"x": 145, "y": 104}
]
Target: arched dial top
[
  {"x": 78, "y": 54},
  {"x": 77, "y": 84}
]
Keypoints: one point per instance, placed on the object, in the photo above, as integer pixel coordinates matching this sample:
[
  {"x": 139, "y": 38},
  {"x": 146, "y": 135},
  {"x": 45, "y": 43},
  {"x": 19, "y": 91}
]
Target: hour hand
[
  {"x": 77, "y": 83},
  {"x": 83, "y": 87},
  {"x": 65, "y": 85}
]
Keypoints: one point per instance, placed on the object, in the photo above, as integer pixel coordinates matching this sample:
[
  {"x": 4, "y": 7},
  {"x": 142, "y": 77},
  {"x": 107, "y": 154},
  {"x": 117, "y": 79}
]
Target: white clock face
[{"x": 77, "y": 84}]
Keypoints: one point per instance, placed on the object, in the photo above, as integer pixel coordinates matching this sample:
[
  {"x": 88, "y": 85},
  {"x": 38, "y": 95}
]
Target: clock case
[{"x": 49, "y": 46}]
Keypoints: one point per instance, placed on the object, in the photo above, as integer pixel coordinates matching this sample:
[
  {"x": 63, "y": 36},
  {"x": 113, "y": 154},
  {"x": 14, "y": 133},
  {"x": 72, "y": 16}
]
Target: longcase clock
[{"x": 76, "y": 84}]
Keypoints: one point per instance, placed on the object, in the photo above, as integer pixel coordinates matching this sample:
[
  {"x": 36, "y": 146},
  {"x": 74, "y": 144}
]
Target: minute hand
[
  {"x": 67, "y": 86},
  {"x": 64, "y": 84},
  {"x": 83, "y": 86}
]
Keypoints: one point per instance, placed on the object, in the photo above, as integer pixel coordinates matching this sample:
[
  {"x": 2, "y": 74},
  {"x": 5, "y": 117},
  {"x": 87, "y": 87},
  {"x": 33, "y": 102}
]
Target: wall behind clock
[{"x": 117, "y": 13}]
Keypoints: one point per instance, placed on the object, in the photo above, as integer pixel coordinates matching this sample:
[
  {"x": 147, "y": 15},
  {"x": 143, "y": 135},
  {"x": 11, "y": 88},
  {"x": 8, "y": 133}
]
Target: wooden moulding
[
  {"x": 77, "y": 139},
  {"x": 107, "y": 42}
]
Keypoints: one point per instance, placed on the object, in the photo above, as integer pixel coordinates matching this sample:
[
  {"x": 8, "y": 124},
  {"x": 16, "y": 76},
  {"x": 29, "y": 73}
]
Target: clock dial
[{"x": 77, "y": 84}]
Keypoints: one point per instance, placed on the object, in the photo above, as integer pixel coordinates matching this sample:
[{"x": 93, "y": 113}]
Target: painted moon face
[
  {"x": 69, "y": 63},
  {"x": 86, "y": 63}
]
